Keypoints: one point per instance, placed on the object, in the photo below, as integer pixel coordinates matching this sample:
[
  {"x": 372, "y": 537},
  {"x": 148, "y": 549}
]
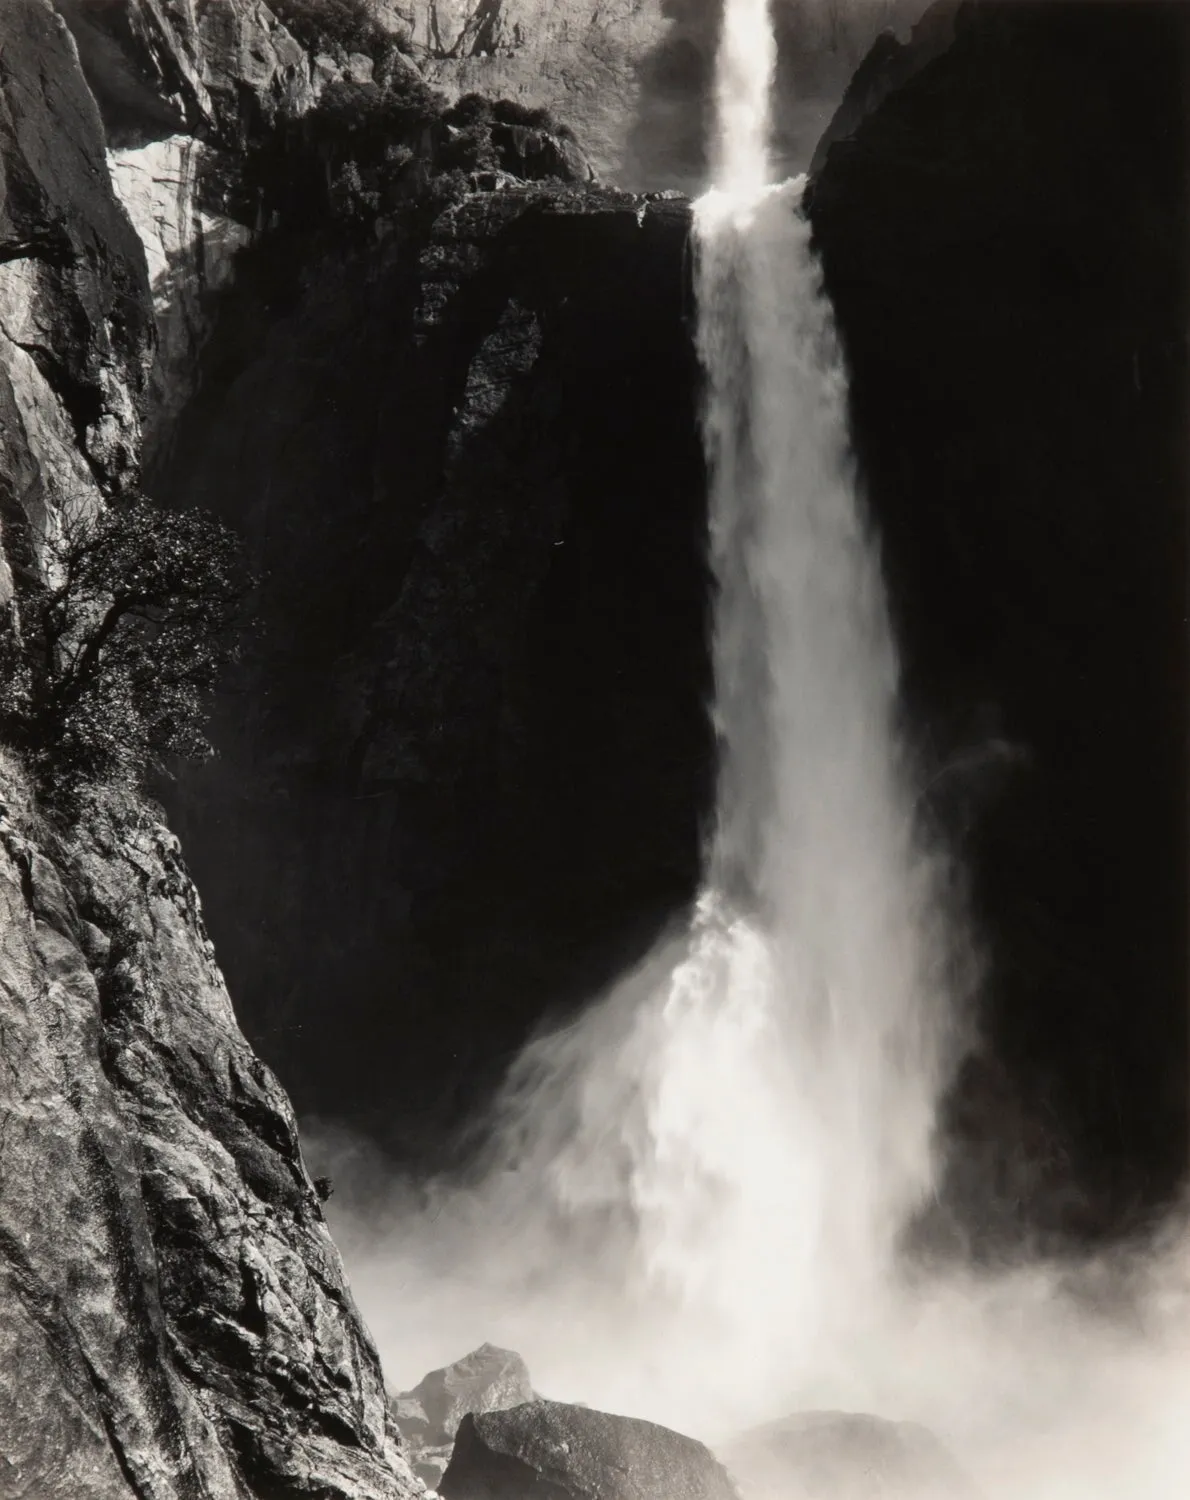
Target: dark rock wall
[
  {"x": 1004, "y": 238},
  {"x": 463, "y": 770}
]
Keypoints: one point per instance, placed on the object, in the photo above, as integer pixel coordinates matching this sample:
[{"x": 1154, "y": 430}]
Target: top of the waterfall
[{"x": 743, "y": 97}]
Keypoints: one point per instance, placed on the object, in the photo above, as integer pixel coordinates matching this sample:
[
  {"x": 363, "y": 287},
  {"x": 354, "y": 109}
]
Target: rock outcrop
[
  {"x": 846, "y": 1456},
  {"x": 75, "y": 329},
  {"x": 174, "y": 1319},
  {"x": 563, "y": 1452},
  {"x": 184, "y": 68},
  {"x": 428, "y": 1416},
  {"x": 191, "y": 256},
  {"x": 1004, "y": 237},
  {"x": 635, "y": 78}
]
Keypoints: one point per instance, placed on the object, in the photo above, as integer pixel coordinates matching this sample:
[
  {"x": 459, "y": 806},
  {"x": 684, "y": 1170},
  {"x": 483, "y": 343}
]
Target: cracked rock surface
[
  {"x": 174, "y": 1319},
  {"x": 428, "y": 1416},
  {"x": 171, "y": 1296},
  {"x": 75, "y": 327}
]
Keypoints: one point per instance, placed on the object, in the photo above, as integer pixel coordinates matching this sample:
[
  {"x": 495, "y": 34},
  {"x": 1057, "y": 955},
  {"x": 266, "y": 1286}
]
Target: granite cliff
[
  {"x": 193, "y": 197},
  {"x": 443, "y": 384},
  {"x": 489, "y": 730},
  {"x": 1002, "y": 223},
  {"x": 173, "y": 1315}
]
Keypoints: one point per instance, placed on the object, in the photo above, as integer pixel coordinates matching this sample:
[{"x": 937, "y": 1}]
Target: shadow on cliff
[
  {"x": 461, "y": 779},
  {"x": 1004, "y": 239}
]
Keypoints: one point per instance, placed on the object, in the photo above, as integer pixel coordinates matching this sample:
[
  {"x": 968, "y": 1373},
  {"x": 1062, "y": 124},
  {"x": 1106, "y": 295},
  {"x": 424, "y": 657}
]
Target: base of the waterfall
[
  {"x": 475, "y": 1430},
  {"x": 846, "y": 1456},
  {"x": 563, "y": 1452}
]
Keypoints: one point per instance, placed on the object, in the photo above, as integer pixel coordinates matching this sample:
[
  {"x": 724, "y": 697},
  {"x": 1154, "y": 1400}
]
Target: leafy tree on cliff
[{"x": 120, "y": 646}]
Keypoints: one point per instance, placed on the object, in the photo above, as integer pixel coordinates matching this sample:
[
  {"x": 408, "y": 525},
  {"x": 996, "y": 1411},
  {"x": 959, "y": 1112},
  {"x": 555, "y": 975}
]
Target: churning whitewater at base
[{"x": 693, "y": 1196}]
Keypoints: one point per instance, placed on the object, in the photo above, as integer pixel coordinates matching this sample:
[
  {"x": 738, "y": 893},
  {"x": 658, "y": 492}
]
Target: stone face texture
[
  {"x": 173, "y": 1300},
  {"x": 428, "y": 1416},
  {"x": 174, "y": 1320},
  {"x": 564, "y": 1452},
  {"x": 487, "y": 1379},
  {"x": 1004, "y": 239},
  {"x": 634, "y": 78},
  {"x": 74, "y": 329},
  {"x": 166, "y": 67},
  {"x": 190, "y": 252}
]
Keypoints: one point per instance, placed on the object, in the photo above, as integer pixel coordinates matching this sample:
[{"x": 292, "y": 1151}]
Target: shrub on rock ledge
[{"x": 108, "y": 669}]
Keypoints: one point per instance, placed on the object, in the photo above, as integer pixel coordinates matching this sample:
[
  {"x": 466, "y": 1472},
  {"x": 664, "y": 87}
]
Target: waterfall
[
  {"x": 694, "y": 1193},
  {"x": 692, "y": 1196},
  {"x": 743, "y": 1127}
]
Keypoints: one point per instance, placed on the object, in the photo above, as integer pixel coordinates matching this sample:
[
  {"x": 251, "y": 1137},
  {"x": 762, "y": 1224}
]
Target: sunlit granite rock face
[
  {"x": 74, "y": 326},
  {"x": 190, "y": 252},
  {"x": 174, "y": 1320},
  {"x": 634, "y": 77}
]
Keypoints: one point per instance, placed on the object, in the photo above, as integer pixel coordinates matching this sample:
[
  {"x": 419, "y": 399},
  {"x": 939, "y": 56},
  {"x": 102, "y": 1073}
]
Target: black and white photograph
[{"x": 594, "y": 749}]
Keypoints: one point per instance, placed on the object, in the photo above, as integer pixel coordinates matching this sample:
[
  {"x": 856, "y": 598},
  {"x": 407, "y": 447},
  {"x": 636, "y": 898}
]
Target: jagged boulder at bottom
[
  {"x": 561, "y": 1452},
  {"x": 833, "y": 1455},
  {"x": 428, "y": 1416}
]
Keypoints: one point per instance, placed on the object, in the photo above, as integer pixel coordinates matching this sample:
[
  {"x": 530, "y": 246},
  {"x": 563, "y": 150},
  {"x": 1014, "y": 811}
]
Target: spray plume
[{"x": 694, "y": 1194}]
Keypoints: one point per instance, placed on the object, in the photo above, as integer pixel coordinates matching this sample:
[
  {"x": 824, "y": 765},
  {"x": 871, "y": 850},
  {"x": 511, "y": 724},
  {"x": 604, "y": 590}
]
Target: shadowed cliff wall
[{"x": 1004, "y": 238}]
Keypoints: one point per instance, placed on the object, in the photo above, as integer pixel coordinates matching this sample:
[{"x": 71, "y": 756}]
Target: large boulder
[
  {"x": 832, "y": 1455},
  {"x": 564, "y": 1452},
  {"x": 487, "y": 1379},
  {"x": 427, "y": 1417}
]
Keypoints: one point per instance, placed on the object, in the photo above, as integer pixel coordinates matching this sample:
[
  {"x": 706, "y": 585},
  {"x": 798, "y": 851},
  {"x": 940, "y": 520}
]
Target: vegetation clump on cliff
[
  {"x": 370, "y": 150},
  {"x": 109, "y": 662},
  {"x": 338, "y": 28}
]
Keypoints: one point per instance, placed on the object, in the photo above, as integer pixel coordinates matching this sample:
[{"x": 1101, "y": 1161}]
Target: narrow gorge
[{"x": 413, "y": 299}]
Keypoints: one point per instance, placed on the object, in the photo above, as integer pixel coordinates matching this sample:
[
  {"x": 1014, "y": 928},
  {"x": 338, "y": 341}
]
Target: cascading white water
[
  {"x": 750, "y": 1118},
  {"x": 694, "y": 1192}
]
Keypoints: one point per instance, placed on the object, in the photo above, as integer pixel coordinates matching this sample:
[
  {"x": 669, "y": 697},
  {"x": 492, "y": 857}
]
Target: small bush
[
  {"x": 468, "y": 149},
  {"x": 512, "y": 112},
  {"x": 471, "y": 109},
  {"x": 348, "y": 111},
  {"x": 110, "y": 669},
  {"x": 336, "y": 27}
]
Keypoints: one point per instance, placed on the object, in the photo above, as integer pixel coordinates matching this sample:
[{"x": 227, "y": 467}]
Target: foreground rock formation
[
  {"x": 428, "y": 1416},
  {"x": 564, "y": 1452},
  {"x": 174, "y": 1319}
]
